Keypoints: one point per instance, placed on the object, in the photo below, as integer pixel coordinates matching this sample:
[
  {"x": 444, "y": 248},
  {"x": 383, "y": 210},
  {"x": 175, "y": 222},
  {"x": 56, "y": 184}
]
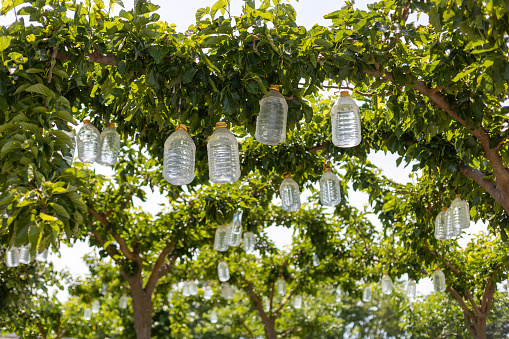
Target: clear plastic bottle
[
  {"x": 88, "y": 142},
  {"x": 207, "y": 293},
  {"x": 290, "y": 194},
  {"x": 68, "y": 156},
  {"x": 109, "y": 146},
  {"x": 266, "y": 304},
  {"x": 316, "y": 261},
  {"x": 221, "y": 239},
  {"x": 24, "y": 254},
  {"x": 338, "y": 294},
  {"x": 366, "y": 294},
  {"x": 346, "y": 122},
  {"x": 451, "y": 232},
  {"x": 235, "y": 230},
  {"x": 330, "y": 189},
  {"x": 386, "y": 284},
  {"x": 271, "y": 121},
  {"x": 185, "y": 289},
  {"x": 170, "y": 295},
  {"x": 440, "y": 225},
  {"x": 179, "y": 157},
  {"x": 42, "y": 256},
  {"x": 297, "y": 302},
  {"x": 223, "y": 272},
  {"x": 223, "y": 155},
  {"x": 193, "y": 288},
  {"x": 281, "y": 286},
  {"x": 460, "y": 213},
  {"x": 249, "y": 242},
  {"x": 213, "y": 317},
  {"x": 87, "y": 315},
  {"x": 122, "y": 302},
  {"x": 439, "y": 280},
  {"x": 12, "y": 257},
  {"x": 411, "y": 289},
  {"x": 226, "y": 291},
  {"x": 96, "y": 305}
]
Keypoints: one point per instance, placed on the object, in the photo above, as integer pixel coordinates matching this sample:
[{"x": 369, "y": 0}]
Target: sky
[{"x": 309, "y": 12}]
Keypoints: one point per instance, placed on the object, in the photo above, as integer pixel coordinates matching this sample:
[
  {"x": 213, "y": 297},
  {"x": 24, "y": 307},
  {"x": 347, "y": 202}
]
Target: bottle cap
[
  {"x": 274, "y": 87},
  {"x": 458, "y": 196},
  {"x": 327, "y": 169},
  {"x": 444, "y": 209},
  {"x": 286, "y": 175},
  {"x": 181, "y": 127},
  {"x": 86, "y": 121},
  {"x": 386, "y": 273},
  {"x": 221, "y": 124},
  {"x": 112, "y": 125},
  {"x": 344, "y": 94},
  {"x": 437, "y": 269}
]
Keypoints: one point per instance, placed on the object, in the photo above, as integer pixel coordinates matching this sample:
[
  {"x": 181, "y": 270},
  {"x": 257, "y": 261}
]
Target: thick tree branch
[
  {"x": 477, "y": 311},
  {"x": 320, "y": 147},
  {"x": 462, "y": 303},
  {"x": 126, "y": 251},
  {"x": 99, "y": 216},
  {"x": 259, "y": 306},
  {"x": 41, "y": 329},
  {"x": 480, "y": 179},
  {"x": 61, "y": 334},
  {"x": 96, "y": 57},
  {"x": 286, "y": 300},
  {"x": 271, "y": 298}
]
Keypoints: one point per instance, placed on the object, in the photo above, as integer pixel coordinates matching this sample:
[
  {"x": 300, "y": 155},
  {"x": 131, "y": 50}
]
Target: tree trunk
[
  {"x": 270, "y": 329},
  {"x": 142, "y": 311},
  {"x": 480, "y": 328}
]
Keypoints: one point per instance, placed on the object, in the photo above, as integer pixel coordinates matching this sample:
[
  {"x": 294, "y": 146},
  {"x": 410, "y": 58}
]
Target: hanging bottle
[
  {"x": 193, "y": 288},
  {"x": 411, "y": 289},
  {"x": 104, "y": 289},
  {"x": 88, "y": 142},
  {"x": 346, "y": 122},
  {"x": 226, "y": 291},
  {"x": 297, "y": 302},
  {"x": 451, "y": 232},
  {"x": 249, "y": 242},
  {"x": 122, "y": 302},
  {"x": 68, "y": 155},
  {"x": 316, "y": 261},
  {"x": 213, "y": 317},
  {"x": 109, "y": 146},
  {"x": 440, "y": 225},
  {"x": 12, "y": 257},
  {"x": 185, "y": 289},
  {"x": 460, "y": 213},
  {"x": 87, "y": 315},
  {"x": 271, "y": 121},
  {"x": 223, "y": 155},
  {"x": 366, "y": 294},
  {"x": 281, "y": 286},
  {"x": 221, "y": 239},
  {"x": 223, "y": 272},
  {"x": 330, "y": 189},
  {"x": 95, "y": 306},
  {"x": 207, "y": 293},
  {"x": 179, "y": 157},
  {"x": 439, "y": 280},
  {"x": 170, "y": 295},
  {"x": 24, "y": 254},
  {"x": 290, "y": 194},
  {"x": 42, "y": 256},
  {"x": 235, "y": 230},
  {"x": 386, "y": 284},
  {"x": 338, "y": 294},
  {"x": 266, "y": 304}
]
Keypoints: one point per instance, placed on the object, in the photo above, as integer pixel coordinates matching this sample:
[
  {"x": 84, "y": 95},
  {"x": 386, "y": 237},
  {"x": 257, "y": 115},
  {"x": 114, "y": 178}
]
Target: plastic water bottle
[
  {"x": 213, "y": 317},
  {"x": 316, "y": 261},
  {"x": 122, "y": 302},
  {"x": 179, "y": 157},
  {"x": 330, "y": 189},
  {"x": 170, "y": 295},
  {"x": 366, "y": 294},
  {"x": 88, "y": 142},
  {"x": 185, "y": 289},
  {"x": 109, "y": 146},
  {"x": 24, "y": 254},
  {"x": 290, "y": 194},
  {"x": 460, "y": 213},
  {"x": 223, "y": 272},
  {"x": 439, "y": 280},
  {"x": 281, "y": 286},
  {"x": 221, "y": 239},
  {"x": 271, "y": 121},
  {"x": 235, "y": 230},
  {"x": 193, "y": 288},
  {"x": 226, "y": 291},
  {"x": 207, "y": 293},
  {"x": 386, "y": 284},
  {"x": 297, "y": 302},
  {"x": 42, "y": 256},
  {"x": 346, "y": 122},
  {"x": 223, "y": 155},
  {"x": 88, "y": 314},
  {"x": 249, "y": 242},
  {"x": 12, "y": 257},
  {"x": 451, "y": 232},
  {"x": 95, "y": 306},
  {"x": 68, "y": 156},
  {"x": 266, "y": 304},
  {"x": 411, "y": 289},
  {"x": 440, "y": 225},
  {"x": 338, "y": 294}
]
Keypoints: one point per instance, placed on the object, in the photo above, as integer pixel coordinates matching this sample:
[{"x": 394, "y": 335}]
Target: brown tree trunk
[
  {"x": 480, "y": 328},
  {"x": 142, "y": 309},
  {"x": 270, "y": 329}
]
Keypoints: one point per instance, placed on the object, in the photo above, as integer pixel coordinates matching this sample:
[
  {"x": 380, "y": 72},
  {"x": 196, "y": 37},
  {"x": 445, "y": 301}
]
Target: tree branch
[
  {"x": 259, "y": 306},
  {"x": 271, "y": 298},
  {"x": 286, "y": 300},
  {"x": 126, "y": 251},
  {"x": 445, "y": 262},
  {"x": 477, "y": 311},
  {"x": 481, "y": 179},
  {"x": 95, "y": 57},
  {"x": 320, "y": 147},
  {"x": 462, "y": 303},
  {"x": 41, "y": 329},
  {"x": 99, "y": 216}
]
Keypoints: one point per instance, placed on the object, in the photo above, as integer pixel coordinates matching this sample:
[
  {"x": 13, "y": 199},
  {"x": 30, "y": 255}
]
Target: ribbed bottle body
[
  {"x": 223, "y": 272},
  {"x": 316, "y": 261},
  {"x": 346, "y": 123},
  {"x": 24, "y": 254},
  {"x": 281, "y": 286},
  {"x": 185, "y": 289},
  {"x": 122, "y": 303},
  {"x": 226, "y": 291},
  {"x": 439, "y": 281},
  {"x": 411, "y": 289},
  {"x": 330, "y": 189},
  {"x": 88, "y": 143},
  {"x": 221, "y": 239},
  {"x": 235, "y": 230},
  {"x": 42, "y": 256},
  {"x": 179, "y": 158},
  {"x": 87, "y": 315},
  {"x": 460, "y": 214},
  {"x": 68, "y": 155},
  {"x": 452, "y": 230},
  {"x": 441, "y": 232},
  {"x": 193, "y": 288},
  {"x": 297, "y": 302},
  {"x": 96, "y": 305},
  {"x": 223, "y": 156},
  {"x": 271, "y": 121},
  {"x": 213, "y": 317},
  {"x": 12, "y": 257},
  {"x": 366, "y": 294},
  {"x": 249, "y": 242},
  {"x": 290, "y": 195},
  {"x": 109, "y": 147},
  {"x": 386, "y": 284},
  {"x": 207, "y": 293}
]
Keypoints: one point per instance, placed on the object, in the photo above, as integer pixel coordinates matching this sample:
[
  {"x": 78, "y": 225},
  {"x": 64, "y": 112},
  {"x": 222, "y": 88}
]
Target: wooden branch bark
[
  {"x": 41, "y": 330},
  {"x": 126, "y": 251},
  {"x": 286, "y": 300},
  {"x": 481, "y": 180},
  {"x": 462, "y": 303},
  {"x": 96, "y": 57},
  {"x": 477, "y": 311},
  {"x": 259, "y": 306}
]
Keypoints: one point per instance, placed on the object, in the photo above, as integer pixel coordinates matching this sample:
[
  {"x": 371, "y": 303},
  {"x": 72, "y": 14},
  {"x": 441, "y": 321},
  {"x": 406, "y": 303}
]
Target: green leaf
[
  {"x": 219, "y": 5},
  {"x": 60, "y": 210},
  {"x": 34, "y": 234},
  {"x": 158, "y": 52},
  {"x": 41, "y": 89},
  {"x": 201, "y": 12},
  {"x": 47, "y": 217}
]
